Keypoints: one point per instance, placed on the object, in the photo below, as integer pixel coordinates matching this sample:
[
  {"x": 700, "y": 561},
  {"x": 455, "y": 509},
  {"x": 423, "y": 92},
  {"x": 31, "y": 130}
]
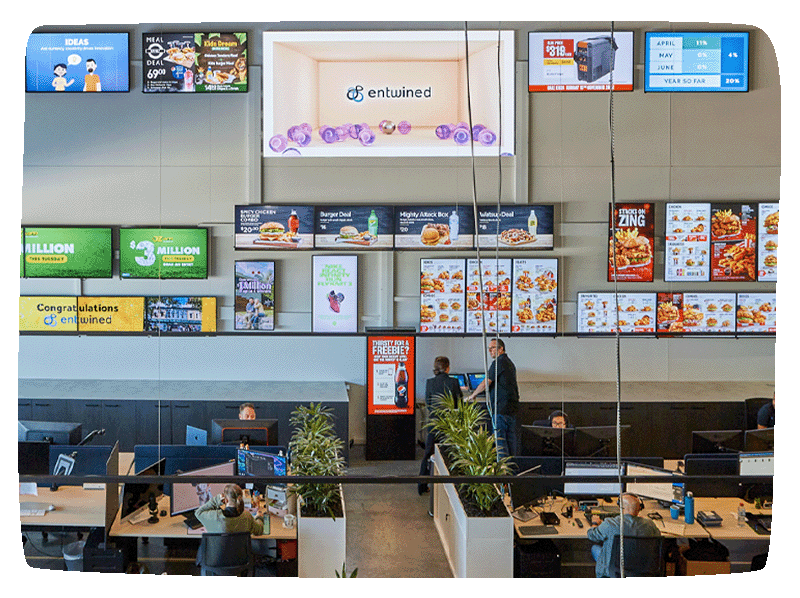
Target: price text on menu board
[
  {"x": 631, "y": 242},
  {"x": 390, "y": 372},
  {"x": 696, "y": 61},
  {"x": 600, "y": 312}
]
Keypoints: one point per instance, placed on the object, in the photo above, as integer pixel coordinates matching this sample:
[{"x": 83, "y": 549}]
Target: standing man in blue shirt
[
  {"x": 503, "y": 397},
  {"x": 603, "y": 532}
]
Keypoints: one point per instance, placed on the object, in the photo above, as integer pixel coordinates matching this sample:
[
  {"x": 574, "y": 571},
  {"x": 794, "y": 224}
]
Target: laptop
[{"x": 196, "y": 436}]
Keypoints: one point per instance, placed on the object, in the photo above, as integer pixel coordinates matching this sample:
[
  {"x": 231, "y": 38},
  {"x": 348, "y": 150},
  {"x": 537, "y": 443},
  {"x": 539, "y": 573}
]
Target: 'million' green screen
[
  {"x": 163, "y": 253},
  {"x": 49, "y": 252}
]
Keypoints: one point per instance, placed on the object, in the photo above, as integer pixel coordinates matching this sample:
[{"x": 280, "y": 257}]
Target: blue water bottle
[{"x": 688, "y": 508}]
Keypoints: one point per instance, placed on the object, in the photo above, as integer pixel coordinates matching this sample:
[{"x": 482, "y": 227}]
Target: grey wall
[{"x": 183, "y": 159}]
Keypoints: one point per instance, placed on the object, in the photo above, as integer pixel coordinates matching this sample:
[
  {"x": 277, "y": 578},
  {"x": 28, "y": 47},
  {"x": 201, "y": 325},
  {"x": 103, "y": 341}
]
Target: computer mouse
[{"x": 51, "y": 507}]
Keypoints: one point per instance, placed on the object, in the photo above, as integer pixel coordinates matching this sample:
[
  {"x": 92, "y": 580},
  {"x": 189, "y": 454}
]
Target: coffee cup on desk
[
  {"x": 288, "y": 521},
  {"x": 674, "y": 511}
]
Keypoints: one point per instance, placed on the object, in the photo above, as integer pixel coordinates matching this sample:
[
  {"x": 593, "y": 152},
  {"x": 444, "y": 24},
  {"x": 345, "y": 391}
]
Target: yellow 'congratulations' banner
[
  {"x": 110, "y": 314},
  {"x": 48, "y": 313}
]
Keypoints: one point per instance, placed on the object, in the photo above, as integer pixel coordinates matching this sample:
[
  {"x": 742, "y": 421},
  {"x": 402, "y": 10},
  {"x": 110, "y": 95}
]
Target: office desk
[{"x": 74, "y": 508}]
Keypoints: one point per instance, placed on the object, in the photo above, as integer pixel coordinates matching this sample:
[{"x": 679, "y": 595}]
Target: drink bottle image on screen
[{"x": 401, "y": 386}]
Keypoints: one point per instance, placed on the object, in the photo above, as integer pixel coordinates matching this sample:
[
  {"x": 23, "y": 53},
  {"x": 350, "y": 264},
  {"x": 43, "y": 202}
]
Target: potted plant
[
  {"x": 315, "y": 450},
  {"x": 475, "y": 528}
]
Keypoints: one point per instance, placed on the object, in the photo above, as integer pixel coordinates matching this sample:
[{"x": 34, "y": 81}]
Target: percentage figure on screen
[{"x": 733, "y": 55}]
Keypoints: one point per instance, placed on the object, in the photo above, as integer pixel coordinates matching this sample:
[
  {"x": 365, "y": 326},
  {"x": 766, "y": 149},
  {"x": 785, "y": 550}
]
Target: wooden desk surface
[
  {"x": 74, "y": 507},
  {"x": 174, "y": 527}
]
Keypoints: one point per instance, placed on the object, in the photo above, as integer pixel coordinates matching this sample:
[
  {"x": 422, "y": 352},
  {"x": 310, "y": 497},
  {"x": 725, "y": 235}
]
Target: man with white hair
[{"x": 603, "y": 532}]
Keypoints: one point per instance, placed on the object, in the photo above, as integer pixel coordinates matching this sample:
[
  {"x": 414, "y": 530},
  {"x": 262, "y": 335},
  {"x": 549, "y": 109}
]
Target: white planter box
[
  {"x": 475, "y": 546},
  {"x": 321, "y": 544}
]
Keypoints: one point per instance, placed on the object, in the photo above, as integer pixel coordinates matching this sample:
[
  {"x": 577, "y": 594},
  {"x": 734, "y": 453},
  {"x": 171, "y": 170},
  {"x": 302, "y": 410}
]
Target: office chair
[
  {"x": 751, "y": 407},
  {"x": 226, "y": 554},
  {"x": 644, "y": 557}
]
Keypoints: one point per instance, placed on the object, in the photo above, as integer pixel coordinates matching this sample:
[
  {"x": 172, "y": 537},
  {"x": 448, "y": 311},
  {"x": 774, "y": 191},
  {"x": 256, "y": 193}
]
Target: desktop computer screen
[
  {"x": 666, "y": 492},
  {"x": 756, "y": 464},
  {"x": 136, "y": 494},
  {"x": 475, "y": 379},
  {"x": 257, "y": 463},
  {"x": 591, "y": 469},
  {"x": 462, "y": 380},
  {"x": 188, "y": 497}
]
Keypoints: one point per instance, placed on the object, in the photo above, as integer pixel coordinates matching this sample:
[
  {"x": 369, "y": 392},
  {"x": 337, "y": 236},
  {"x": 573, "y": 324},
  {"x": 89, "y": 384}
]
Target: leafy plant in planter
[
  {"x": 316, "y": 451},
  {"x": 470, "y": 449}
]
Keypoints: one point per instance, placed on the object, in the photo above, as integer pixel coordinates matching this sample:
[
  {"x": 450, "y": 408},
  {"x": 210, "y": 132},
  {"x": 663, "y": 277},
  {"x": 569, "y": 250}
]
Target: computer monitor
[
  {"x": 34, "y": 458},
  {"x": 188, "y": 497},
  {"x": 666, "y": 492},
  {"x": 759, "y": 440},
  {"x": 196, "y": 436},
  {"x": 137, "y": 494},
  {"x": 52, "y": 432},
  {"x": 756, "y": 464},
  {"x": 546, "y": 440},
  {"x": 717, "y": 441},
  {"x": 463, "y": 382},
  {"x": 597, "y": 441},
  {"x": 475, "y": 379},
  {"x": 701, "y": 466},
  {"x": 260, "y": 463},
  {"x": 255, "y": 432},
  {"x": 530, "y": 471},
  {"x": 592, "y": 489}
]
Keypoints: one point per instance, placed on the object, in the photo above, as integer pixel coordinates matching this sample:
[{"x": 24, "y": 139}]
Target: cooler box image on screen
[{"x": 594, "y": 58}]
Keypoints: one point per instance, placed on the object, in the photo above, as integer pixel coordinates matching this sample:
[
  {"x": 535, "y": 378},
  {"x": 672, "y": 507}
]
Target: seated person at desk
[
  {"x": 225, "y": 513},
  {"x": 766, "y": 415},
  {"x": 558, "y": 419},
  {"x": 247, "y": 411},
  {"x": 603, "y": 532},
  {"x": 436, "y": 387}
]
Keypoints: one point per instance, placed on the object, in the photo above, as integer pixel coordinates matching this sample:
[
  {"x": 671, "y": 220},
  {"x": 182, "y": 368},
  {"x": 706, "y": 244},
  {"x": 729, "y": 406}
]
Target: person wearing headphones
[
  {"x": 603, "y": 532},
  {"x": 225, "y": 513},
  {"x": 558, "y": 419}
]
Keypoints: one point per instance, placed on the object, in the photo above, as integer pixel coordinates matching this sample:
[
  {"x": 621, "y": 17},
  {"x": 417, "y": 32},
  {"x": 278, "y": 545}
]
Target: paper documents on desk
[{"x": 28, "y": 488}]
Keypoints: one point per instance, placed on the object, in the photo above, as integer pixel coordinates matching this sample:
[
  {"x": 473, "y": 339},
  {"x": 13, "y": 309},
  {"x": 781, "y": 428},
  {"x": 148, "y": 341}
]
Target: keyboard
[
  {"x": 536, "y": 530},
  {"x": 675, "y": 529},
  {"x": 31, "y": 512}
]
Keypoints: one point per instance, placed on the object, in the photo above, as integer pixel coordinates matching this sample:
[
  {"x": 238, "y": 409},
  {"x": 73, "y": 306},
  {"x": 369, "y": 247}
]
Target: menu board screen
[
  {"x": 442, "y": 295},
  {"x": 696, "y": 61},
  {"x": 733, "y": 242},
  {"x": 687, "y": 246},
  {"x": 50, "y": 252},
  {"x": 334, "y": 288},
  {"x": 163, "y": 252},
  {"x": 433, "y": 227},
  {"x": 274, "y": 227},
  {"x": 580, "y": 61},
  {"x": 534, "y": 295},
  {"x": 491, "y": 302},
  {"x": 390, "y": 375},
  {"x": 77, "y": 62},
  {"x": 194, "y": 62},
  {"x": 768, "y": 242},
  {"x": 354, "y": 227},
  {"x": 180, "y": 314},
  {"x": 631, "y": 241},
  {"x": 515, "y": 227},
  {"x": 696, "y": 312},
  {"x": 254, "y": 295},
  {"x": 597, "y": 312},
  {"x": 757, "y": 312}
]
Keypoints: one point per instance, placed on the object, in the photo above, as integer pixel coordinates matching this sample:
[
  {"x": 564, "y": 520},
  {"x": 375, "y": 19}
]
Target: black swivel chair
[
  {"x": 751, "y": 407},
  {"x": 226, "y": 554},
  {"x": 644, "y": 557}
]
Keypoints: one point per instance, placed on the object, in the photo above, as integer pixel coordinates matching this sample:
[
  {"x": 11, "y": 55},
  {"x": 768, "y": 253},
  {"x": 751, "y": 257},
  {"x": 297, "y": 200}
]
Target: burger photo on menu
[
  {"x": 757, "y": 312},
  {"x": 433, "y": 227},
  {"x": 359, "y": 227},
  {"x": 274, "y": 227}
]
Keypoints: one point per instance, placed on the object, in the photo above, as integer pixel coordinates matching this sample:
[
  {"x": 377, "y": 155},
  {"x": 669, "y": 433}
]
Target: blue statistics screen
[{"x": 708, "y": 61}]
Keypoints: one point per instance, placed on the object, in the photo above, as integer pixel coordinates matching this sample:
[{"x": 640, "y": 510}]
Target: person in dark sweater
[
  {"x": 437, "y": 386},
  {"x": 766, "y": 415}
]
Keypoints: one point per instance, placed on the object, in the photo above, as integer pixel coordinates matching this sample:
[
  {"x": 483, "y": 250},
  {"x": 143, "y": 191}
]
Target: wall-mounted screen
[
  {"x": 733, "y": 241},
  {"x": 768, "y": 214},
  {"x": 598, "y": 312},
  {"x": 696, "y": 61},
  {"x": 48, "y": 314},
  {"x": 631, "y": 242},
  {"x": 438, "y": 227},
  {"x": 334, "y": 293},
  {"x": 756, "y": 312},
  {"x": 354, "y": 227},
  {"x": 580, "y": 61},
  {"x": 194, "y": 62},
  {"x": 516, "y": 227},
  {"x": 110, "y": 314},
  {"x": 274, "y": 227},
  {"x": 180, "y": 314},
  {"x": 52, "y": 252},
  {"x": 254, "y": 295},
  {"x": 442, "y": 292},
  {"x": 687, "y": 313},
  {"x": 687, "y": 247},
  {"x": 489, "y": 295},
  {"x": 163, "y": 253},
  {"x": 387, "y": 93},
  {"x": 534, "y": 296},
  {"x": 77, "y": 62}
]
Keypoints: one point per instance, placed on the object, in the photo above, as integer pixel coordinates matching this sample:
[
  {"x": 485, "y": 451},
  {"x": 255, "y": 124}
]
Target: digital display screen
[
  {"x": 696, "y": 61},
  {"x": 510, "y": 227},
  {"x": 489, "y": 295},
  {"x": 390, "y": 375},
  {"x": 442, "y": 292},
  {"x": 688, "y": 313},
  {"x": 757, "y": 312},
  {"x": 254, "y": 295},
  {"x": 274, "y": 227},
  {"x": 534, "y": 306},
  {"x": 631, "y": 242},
  {"x": 194, "y": 62},
  {"x": 580, "y": 61},
  {"x": 438, "y": 227},
  {"x": 50, "y": 252},
  {"x": 163, "y": 252},
  {"x": 334, "y": 290},
  {"x": 598, "y": 312},
  {"x": 180, "y": 314},
  {"x": 77, "y": 62},
  {"x": 354, "y": 227}
]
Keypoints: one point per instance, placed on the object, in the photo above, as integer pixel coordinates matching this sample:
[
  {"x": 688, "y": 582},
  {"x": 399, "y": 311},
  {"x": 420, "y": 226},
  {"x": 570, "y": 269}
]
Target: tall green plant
[{"x": 316, "y": 451}]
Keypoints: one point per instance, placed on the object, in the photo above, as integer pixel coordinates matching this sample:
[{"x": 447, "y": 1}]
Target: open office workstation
[{"x": 320, "y": 240}]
